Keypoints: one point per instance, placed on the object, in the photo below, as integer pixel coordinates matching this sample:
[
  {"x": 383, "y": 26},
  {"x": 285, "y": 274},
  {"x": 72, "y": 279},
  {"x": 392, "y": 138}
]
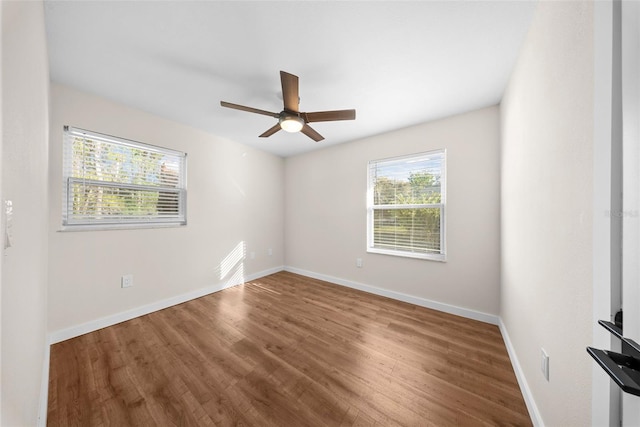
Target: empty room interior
[{"x": 319, "y": 213}]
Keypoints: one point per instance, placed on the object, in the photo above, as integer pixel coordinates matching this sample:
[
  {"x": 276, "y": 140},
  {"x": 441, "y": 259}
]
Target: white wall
[
  {"x": 25, "y": 102},
  {"x": 325, "y": 214},
  {"x": 235, "y": 196},
  {"x": 547, "y": 209}
]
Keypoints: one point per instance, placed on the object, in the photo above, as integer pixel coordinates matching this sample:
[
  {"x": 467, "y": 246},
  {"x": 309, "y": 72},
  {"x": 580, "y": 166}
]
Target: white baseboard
[
  {"x": 44, "y": 388},
  {"x": 534, "y": 413},
  {"x": 423, "y": 302},
  {"x": 103, "y": 322}
]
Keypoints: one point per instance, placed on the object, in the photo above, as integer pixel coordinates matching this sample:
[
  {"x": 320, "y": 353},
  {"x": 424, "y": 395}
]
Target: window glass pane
[
  {"x": 408, "y": 230},
  {"x": 415, "y": 180},
  {"x": 103, "y": 161},
  {"x": 99, "y": 202}
]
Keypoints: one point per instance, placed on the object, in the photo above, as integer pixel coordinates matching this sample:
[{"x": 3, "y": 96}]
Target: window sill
[
  {"x": 426, "y": 257},
  {"x": 105, "y": 227}
]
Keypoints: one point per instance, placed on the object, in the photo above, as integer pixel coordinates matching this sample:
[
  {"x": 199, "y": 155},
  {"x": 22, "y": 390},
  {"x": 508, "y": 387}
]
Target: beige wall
[
  {"x": 235, "y": 195},
  {"x": 547, "y": 179},
  {"x": 325, "y": 213},
  {"x": 25, "y": 102}
]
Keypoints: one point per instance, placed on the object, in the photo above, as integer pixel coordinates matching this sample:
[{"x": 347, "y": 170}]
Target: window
[
  {"x": 113, "y": 182},
  {"x": 406, "y": 206}
]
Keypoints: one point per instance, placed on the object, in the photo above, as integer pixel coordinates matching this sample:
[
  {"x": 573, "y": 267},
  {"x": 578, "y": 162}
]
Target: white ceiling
[{"x": 397, "y": 63}]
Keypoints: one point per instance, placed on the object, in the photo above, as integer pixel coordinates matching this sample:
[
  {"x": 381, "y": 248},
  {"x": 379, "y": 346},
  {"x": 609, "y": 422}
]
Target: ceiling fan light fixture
[{"x": 290, "y": 123}]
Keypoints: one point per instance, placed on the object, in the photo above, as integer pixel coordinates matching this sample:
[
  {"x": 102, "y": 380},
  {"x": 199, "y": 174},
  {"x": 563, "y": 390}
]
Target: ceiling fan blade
[
  {"x": 290, "y": 93},
  {"x": 308, "y": 130},
  {"x": 248, "y": 109},
  {"x": 271, "y": 131},
  {"x": 329, "y": 116}
]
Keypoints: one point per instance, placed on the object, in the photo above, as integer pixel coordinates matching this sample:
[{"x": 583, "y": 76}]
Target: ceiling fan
[{"x": 291, "y": 119}]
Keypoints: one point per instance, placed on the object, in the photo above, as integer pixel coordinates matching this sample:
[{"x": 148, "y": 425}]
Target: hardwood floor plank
[{"x": 287, "y": 350}]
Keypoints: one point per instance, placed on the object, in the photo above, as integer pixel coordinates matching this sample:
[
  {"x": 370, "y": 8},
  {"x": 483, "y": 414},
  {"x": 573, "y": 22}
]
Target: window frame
[
  {"x": 371, "y": 208},
  {"x": 87, "y": 224}
]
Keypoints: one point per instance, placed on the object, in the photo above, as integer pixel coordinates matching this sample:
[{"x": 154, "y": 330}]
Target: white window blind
[
  {"x": 406, "y": 206},
  {"x": 112, "y": 181}
]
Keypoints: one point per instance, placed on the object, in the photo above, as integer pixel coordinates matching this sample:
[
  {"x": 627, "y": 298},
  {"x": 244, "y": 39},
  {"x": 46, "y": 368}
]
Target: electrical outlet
[
  {"x": 252, "y": 255},
  {"x": 270, "y": 252},
  {"x": 126, "y": 281},
  {"x": 359, "y": 262},
  {"x": 544, "y": 363}
]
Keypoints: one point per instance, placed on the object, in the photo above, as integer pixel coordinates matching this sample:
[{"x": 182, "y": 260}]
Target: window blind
[
  {"x": 406, "y": 203},
  {"x": 114, "y": 181}
]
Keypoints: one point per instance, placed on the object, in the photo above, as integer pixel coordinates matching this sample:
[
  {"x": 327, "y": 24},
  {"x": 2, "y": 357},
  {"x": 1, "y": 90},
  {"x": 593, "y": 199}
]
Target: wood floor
[{"x": 287, "y": 350}]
